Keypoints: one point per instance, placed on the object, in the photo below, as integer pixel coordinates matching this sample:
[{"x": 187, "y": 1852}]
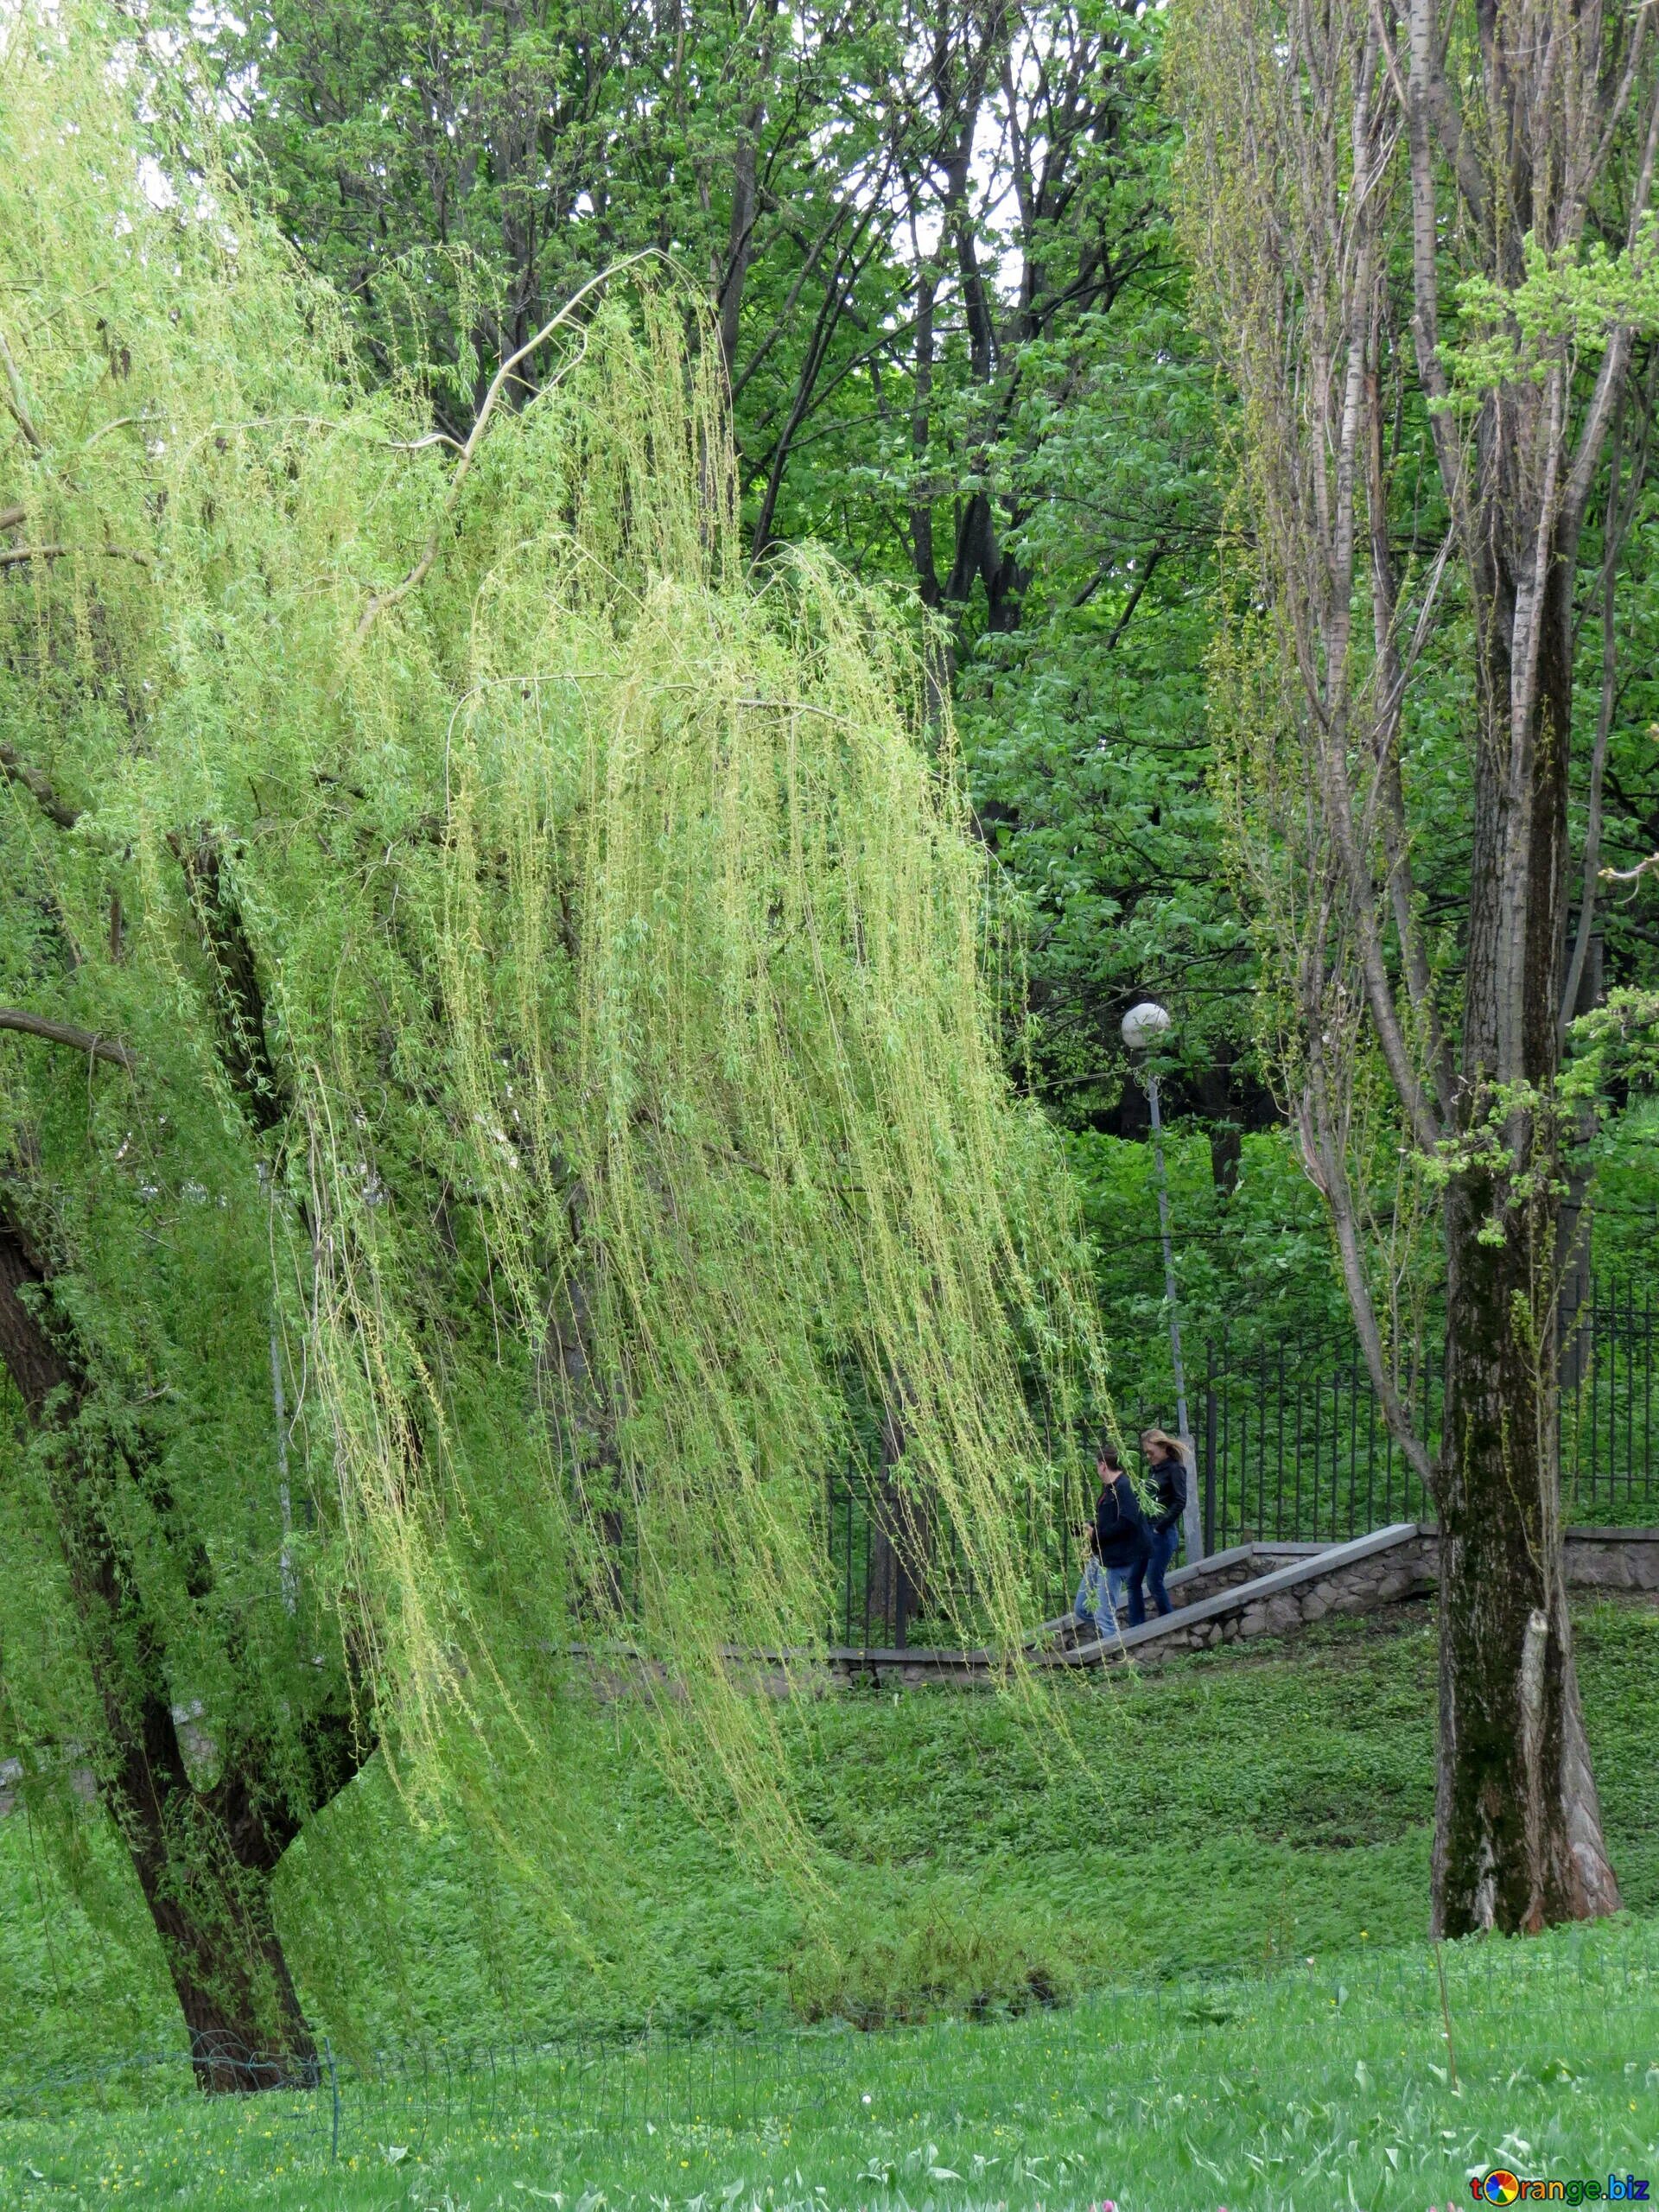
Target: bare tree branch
[
  {"x": 17, "y": 398},
  {"x": 1616, "y": 360},
  {"x": 62, "y": 1032},
  {"x": 1630, "y": 874},
  {"x": 379, "y": 601},
  {"x": 1622, "y": 505},
  {"x": 12, "y": 553},
  {"x": 40, "y": 788}
]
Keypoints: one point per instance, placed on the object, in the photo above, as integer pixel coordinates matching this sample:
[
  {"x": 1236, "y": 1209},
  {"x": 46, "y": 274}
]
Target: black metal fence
[
  {"x": 902, "y": 1581},
  {"x": 1610, "y": 1398},
  {"x": 1292, "y": 1447}
]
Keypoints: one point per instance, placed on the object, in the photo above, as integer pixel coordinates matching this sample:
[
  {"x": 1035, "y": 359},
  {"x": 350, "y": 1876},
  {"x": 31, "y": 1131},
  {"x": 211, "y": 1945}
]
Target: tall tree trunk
[
  {"x": 1517, "y": 1831},
  {"x": 209, "y": 1895},
  {"x": 1214, "y": 1090},
  {"x": 204, "y": 1859},
  {"x": 1545, "y": 111},
  {"x": 900, "y": 1533},
  {"x": 1518, "y": 1839}
]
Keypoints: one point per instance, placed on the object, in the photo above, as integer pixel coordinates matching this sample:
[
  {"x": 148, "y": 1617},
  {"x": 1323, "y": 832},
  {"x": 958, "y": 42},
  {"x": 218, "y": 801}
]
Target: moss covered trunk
[
  {"x": 1518, "y": 1842},
  {"x": 1518, "y": 1839}
]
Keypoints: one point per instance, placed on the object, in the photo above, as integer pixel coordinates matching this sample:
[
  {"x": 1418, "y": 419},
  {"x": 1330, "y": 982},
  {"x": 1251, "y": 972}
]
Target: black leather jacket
[{"x": 1168, "y": 1478}]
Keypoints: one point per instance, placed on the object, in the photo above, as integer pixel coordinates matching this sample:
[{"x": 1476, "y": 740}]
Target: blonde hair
[{"x": 1151, "y": 1436}]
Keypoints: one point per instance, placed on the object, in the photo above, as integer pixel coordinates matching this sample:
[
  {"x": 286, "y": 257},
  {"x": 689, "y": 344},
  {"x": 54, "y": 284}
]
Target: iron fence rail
[{"x": 1294, "y": 1447}]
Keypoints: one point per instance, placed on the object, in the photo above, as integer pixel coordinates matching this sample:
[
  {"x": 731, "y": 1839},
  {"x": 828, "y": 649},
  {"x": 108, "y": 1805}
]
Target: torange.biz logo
[{"x": 1500, "y": 2186}]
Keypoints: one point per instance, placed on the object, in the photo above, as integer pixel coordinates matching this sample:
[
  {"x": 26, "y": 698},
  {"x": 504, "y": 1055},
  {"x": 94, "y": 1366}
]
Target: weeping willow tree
[{"x": 498, "y": 1076}]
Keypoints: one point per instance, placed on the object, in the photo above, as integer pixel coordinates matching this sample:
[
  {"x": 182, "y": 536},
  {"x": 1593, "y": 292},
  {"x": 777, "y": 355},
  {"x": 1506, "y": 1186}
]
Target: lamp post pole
[{"x": 1141, "y": 1025}]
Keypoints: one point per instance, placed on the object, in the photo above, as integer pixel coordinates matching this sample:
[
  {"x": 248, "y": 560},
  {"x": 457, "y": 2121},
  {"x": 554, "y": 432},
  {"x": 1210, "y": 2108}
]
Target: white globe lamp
[{"x": 1144, "y": 1023}]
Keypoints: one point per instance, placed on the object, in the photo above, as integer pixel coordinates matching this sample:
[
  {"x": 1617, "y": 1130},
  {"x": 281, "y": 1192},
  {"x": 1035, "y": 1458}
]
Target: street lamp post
[{"x": 1142, "y": 1025}]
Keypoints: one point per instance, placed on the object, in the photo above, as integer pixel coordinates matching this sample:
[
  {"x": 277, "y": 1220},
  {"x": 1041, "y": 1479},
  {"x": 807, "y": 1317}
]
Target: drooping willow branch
[
  {"x": 562, "y": 1029},
  {"x": 416, "y": 576}
]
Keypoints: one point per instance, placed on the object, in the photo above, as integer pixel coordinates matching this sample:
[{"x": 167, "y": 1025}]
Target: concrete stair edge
[{"x": 1327, "y": 1560}]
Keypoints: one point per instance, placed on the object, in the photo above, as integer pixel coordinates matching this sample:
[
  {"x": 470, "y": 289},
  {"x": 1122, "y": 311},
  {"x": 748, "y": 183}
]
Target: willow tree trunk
[
  {"x": 207, "y": 1884},
  {"x": 1518, "y": 1839},
  {"x": 901, "y": 1533},
  {"x": 204, "y": 1859}
]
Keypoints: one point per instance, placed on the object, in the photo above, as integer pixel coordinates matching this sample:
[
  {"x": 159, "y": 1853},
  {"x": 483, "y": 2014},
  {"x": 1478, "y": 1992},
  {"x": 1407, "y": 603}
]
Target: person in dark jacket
[
  {"x": 1122, "y": 1542},
  {"x": 1168, "y": 1470}
]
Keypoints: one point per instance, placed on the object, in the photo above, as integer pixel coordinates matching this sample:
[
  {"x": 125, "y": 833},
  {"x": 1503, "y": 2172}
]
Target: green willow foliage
[{"x": 605, "y": 1124}]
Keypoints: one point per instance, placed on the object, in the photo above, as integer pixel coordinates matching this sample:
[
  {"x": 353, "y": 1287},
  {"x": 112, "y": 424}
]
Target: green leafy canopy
[{"x": 607, "y": 1111}]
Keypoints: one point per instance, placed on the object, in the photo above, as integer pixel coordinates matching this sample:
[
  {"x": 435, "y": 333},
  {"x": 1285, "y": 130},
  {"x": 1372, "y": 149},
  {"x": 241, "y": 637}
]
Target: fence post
[
  {"x": 1209, "y": 1450},
  {"x": 334, "y": 2098}
]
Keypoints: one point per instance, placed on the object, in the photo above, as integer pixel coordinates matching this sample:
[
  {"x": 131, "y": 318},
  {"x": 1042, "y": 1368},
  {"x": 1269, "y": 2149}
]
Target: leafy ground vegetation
[
  {"x": 1292, "y": 2090},
  {"x": 1226, "y": 1820}
]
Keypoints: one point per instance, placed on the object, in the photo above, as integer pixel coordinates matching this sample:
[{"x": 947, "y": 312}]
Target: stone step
[{"x": 1267, "y": 1589}]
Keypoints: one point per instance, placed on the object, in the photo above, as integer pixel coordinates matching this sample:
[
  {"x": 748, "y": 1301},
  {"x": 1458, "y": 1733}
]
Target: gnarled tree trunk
[{"x": 1543, "y": 134}]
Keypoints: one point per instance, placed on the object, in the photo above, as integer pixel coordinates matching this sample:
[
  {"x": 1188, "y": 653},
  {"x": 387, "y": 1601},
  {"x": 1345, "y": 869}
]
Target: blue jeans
[
  {"x": 1102, "y": 1595},
  {"x": 1095, "y": 1600},
  {"x": 1164, "y": 1542},
  {"x": 1132, "y": 1577}
]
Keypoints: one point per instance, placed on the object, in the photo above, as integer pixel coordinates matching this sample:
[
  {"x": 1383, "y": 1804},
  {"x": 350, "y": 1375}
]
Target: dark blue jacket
[
  {"x": 1121, "y": 1538},
  {"x": 1168, "y": 1478}
]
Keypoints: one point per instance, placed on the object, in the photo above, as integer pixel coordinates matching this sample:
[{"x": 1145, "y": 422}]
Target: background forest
[{"x": 941, "y": 245}]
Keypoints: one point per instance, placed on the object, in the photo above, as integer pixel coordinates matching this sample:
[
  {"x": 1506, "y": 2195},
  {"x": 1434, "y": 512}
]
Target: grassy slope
[{"x": 1236, "y": 1811}]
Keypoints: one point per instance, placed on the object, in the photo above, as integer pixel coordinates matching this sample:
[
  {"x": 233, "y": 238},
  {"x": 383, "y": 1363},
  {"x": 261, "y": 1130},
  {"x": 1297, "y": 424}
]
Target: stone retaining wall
[
  {"x": 1353, "y": 1577},
  {"x": 1402, "y": 1561},
  {"x": 1612, "y": 1559}
]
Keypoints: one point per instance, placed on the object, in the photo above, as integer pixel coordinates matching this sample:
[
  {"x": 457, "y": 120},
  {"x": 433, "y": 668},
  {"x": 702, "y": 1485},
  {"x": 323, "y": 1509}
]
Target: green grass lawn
[
  {"x": 1324, "y": 2086},
  {"x": 1231, "y": 1815}
]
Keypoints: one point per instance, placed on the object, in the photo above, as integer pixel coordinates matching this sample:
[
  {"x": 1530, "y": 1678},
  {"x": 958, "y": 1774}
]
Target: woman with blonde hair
[{"x": 1167, "y": 1470}]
